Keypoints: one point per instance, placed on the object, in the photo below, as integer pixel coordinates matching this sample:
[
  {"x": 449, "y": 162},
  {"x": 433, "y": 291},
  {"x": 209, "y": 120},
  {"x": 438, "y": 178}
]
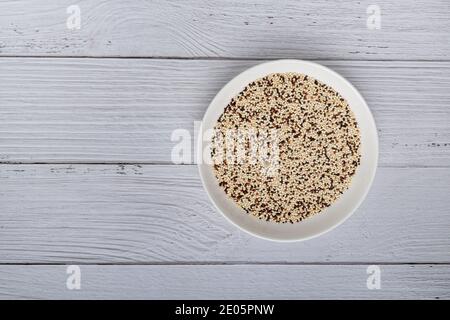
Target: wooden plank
[
  {"x": 195, "y": 28},
  {"x": 124, "y": 110},
  {"x": 225, "y": 282},
  {"x": 160, "y": 214}
]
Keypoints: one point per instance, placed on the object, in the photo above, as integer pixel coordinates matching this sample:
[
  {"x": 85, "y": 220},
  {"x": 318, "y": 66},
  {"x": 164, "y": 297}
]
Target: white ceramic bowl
[{"x": 330, "y": 217}]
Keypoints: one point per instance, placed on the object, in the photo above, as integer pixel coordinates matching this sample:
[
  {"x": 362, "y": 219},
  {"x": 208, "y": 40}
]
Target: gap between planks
[
  {"x": 215, "y": 58},
  {"x": 162, "y": 163},
  {"x": 231, "y": 263},
  {"x": 191, "y": 164}
]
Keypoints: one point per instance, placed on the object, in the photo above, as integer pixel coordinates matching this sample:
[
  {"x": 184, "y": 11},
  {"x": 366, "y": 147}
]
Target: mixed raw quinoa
[{"x": 286, "y": 147}]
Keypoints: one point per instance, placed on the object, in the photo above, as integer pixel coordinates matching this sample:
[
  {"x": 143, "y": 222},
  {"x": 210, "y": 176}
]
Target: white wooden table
[{"x": 86, "y": 178}]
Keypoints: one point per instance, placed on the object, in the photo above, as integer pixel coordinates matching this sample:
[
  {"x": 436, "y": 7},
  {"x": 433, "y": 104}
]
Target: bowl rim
[{"x": 227, "y": 86}]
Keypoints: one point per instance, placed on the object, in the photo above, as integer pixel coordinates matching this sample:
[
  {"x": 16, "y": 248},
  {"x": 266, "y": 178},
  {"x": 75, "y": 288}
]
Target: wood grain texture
[
  {"x": 226, "y": 282},
  {"x": 125, "y": 110},
  {"x": 161, "y": 214},
  {"x": 198, "y": 28}
]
